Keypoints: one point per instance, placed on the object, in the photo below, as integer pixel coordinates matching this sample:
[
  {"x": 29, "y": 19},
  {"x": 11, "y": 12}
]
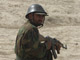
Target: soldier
[{"x": 28, "y": 44}]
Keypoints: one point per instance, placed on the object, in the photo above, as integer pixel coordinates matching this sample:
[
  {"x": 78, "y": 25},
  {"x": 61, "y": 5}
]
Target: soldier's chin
[{"x": 41, "y": 24}]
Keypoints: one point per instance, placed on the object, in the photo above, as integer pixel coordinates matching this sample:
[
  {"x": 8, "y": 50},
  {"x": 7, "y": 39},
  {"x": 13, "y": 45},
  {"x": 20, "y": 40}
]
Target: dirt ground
[{"x": 62, "y": 23}]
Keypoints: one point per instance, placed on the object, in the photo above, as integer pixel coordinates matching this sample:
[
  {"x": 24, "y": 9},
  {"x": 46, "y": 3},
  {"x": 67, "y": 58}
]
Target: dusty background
[{"x": 62, "y": 23}]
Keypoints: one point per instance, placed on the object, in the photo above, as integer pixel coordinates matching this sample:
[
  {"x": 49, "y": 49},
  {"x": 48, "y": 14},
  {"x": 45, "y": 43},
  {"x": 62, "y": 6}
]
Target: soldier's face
[{"x": 39, "y": 19}]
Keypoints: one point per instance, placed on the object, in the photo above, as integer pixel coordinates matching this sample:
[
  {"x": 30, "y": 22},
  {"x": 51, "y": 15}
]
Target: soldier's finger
[{"x": 58, "y": 49}]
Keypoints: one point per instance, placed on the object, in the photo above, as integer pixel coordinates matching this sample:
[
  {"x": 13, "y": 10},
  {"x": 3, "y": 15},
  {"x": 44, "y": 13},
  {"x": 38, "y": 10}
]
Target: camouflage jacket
[{"x": 28, "y": 44}]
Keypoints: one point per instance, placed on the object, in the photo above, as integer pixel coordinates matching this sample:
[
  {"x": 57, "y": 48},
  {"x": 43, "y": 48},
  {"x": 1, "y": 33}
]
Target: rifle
[
  {"x": 62, "y": 45},
  {"x": 54, "y": 41}
]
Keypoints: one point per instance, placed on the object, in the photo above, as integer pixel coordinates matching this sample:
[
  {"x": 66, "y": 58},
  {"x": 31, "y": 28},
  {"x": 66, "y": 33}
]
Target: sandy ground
[{"x": 63, "y": 16}]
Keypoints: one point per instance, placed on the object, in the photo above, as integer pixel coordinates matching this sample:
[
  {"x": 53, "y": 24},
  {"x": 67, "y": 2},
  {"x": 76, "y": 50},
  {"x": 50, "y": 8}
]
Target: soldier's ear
[{"x": 30, "y": 16}]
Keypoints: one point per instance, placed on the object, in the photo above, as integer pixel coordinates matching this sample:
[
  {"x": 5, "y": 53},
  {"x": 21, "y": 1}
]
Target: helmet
[{"x": 36, "y": 8}]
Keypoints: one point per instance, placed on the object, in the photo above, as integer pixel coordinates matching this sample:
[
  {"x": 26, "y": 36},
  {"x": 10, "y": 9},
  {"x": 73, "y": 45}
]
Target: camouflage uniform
[{"x": 28, "y": 45}]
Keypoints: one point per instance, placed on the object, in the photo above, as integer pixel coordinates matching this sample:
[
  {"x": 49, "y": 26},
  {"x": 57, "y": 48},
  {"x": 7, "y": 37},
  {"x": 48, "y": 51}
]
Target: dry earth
[{"x": 62, "y": 23}]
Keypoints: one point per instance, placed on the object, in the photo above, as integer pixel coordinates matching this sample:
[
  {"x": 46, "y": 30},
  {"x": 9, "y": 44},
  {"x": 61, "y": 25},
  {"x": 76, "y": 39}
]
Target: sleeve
[
  {"x": 29, "y": 42},
  {"x": 42, "y": 38}
]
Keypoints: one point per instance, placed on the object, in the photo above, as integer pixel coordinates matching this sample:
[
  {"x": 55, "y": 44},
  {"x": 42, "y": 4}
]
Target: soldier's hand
[
  {"x": 57, "y": 47},
  {"x": 48, "y": 44}
]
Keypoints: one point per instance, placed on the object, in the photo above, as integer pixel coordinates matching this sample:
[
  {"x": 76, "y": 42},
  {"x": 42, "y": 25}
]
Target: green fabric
[{"x": 27, "y": 43}]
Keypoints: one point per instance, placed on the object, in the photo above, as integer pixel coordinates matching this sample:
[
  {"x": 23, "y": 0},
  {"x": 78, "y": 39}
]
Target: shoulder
[{"x": 27, "y": 27}]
